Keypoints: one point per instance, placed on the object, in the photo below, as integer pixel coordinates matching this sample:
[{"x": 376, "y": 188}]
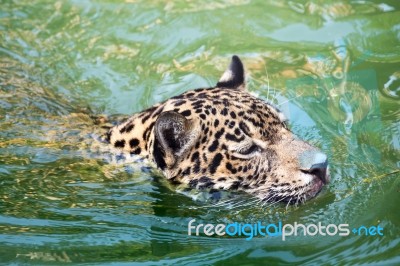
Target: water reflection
[
  {"x": 67, "y": 66},
  {"x": 392, "y": 87}
]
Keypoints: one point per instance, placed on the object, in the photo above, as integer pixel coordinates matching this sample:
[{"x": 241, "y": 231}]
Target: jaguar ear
[
  {"x": 174, "y": 136},
  {"x": 233, "y": 77}
]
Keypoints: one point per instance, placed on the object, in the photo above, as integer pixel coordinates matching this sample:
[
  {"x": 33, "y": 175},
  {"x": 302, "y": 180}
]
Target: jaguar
[{"x": 224, "y": 138}]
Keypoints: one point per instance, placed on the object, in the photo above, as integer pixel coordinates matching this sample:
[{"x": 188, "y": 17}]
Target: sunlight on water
[{"x": 71, "y": 69}]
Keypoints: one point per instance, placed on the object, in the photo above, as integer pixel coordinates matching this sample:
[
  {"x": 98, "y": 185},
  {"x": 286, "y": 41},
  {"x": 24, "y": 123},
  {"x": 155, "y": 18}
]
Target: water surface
[{"x": 332, "y": 67}]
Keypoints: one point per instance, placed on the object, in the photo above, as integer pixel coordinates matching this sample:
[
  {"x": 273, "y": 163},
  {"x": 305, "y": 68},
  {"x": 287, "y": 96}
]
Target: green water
[{"x": 327, "y": 64}]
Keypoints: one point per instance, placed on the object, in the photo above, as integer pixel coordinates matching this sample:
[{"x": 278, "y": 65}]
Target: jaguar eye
[
  {"x": 285, "y": 124},
  {"x": 251, "y": 149}
]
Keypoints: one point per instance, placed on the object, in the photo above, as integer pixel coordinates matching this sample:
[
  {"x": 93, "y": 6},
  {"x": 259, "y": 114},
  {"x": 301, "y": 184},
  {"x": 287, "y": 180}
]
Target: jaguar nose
[{"x": 315, "y": 163}]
